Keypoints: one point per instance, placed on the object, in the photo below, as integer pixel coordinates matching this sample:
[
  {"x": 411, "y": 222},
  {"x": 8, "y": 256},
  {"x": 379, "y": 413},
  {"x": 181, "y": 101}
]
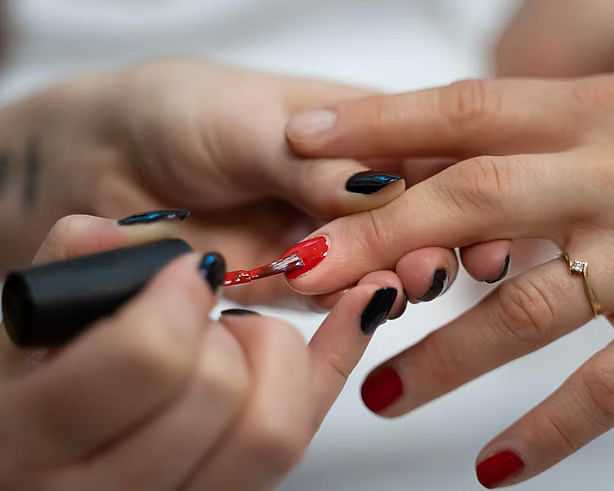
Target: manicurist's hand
[
  {"x": 160, "y": 396},
  {"x": 535, "y": 161}
]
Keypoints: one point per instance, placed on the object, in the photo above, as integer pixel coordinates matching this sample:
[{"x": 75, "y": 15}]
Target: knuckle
[
  {"x": 598, "y": 378},
  {"x": 443, "y": 362},
  {"x": 564, "y": 439},
  {"x": 476, "y": 184},
  {"x": 469, "y": 104},
  {"x": 524, "y": 310},
  {"x": 376, "y": 235}
]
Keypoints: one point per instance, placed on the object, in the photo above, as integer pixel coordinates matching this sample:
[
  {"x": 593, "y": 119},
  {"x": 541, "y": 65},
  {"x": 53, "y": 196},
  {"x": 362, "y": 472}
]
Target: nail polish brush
[{"x": 52, "y": 303}]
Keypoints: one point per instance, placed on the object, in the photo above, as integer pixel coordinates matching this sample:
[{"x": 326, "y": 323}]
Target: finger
[
  {"x": 340, "y": 341},
  {"x": 579, "y": 411},
  {"x": 328, "y": 189},
  {"x": 462, "y": 119},
  {"x": 522, "y": 315},
  {"x": 77, "y": 235},
  {"x": 427, "y": 273},
  {"x": 162, "y": 454},
  {"x": 526, "y": 48},
  {"x": 488, "y": 261},
  {"x": 385, "y": 279},
  {"x": 277, "y": 422},
  {"x": 479, "y": 200},
  {"x": 116, "y": 375}
]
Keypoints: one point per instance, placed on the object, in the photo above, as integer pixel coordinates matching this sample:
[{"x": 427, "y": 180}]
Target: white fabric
[{"x": 393, "y": 44}]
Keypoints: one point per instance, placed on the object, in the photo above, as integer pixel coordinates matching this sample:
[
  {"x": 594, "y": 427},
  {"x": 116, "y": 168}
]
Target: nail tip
[
  {"x": 311, "y": 251},
  {"x": 377, "y": 310},
  {"x": 381, "y": 388},
  {"x": 370, "y": 182},
  {"x": 154, "y": 216},
  {"x": 212, "y": 267},
  {"x": 498, "y": 469},
  {"x": 438, "y": 286},
  {"x": 505, "y": 270},
  {"x": 238, "y": 312}
]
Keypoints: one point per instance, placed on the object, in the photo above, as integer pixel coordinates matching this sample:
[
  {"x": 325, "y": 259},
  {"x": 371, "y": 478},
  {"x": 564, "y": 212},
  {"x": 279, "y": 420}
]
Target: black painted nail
[
  {"x": 369, "y": 182},
  {"x": 213, "y": 268},
  {"x": 155, "y": 216},
  {"x": 438, "y": 286},
  {"x": 377, "y": 310},
  {"x": 238, "y": 312},
  {"x": 504, "y": 271}
]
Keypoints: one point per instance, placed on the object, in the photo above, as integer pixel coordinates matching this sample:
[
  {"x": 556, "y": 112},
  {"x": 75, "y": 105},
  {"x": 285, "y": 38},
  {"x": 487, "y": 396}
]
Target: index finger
[
  {"x": 475, "y": 201},
  {"x": 465, "y": 118}
]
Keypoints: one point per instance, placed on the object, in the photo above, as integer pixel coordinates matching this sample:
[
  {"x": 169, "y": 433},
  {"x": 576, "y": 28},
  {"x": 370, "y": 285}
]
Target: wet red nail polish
[
  {"x": 381, "y": 388},
  {"x": 311, "y": 252},
  {"x": 499, "y": 468}
]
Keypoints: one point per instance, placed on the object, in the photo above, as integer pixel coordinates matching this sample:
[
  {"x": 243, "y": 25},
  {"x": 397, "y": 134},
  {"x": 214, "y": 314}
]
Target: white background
[{"x": 394, "y": 45}]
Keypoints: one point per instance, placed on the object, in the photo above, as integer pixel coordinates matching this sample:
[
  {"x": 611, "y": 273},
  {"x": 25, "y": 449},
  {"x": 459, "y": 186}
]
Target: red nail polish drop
[
  {"x": 381, "y": 388},
  {"x": 499, "y": 468},
  {"x": 311, "y": 252}
]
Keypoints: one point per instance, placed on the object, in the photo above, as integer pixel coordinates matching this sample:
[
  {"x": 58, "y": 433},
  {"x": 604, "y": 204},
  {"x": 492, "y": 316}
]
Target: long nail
[
  {"x": 213, "y": 267},
  {"x": 155, "y": 216},
  {"x": 438, "y": 286},
  {"x": 310, "y": 124},
  {"x": 311, "y": 252},
  {"x": 497, "y": 469},
  {"x": 239, "y": 312},
  {"x": 504, "y": 271},
  {"x": 369, "y": 182},
  {"x": 377, "y": 310},
  {"x": 381, "y": 388}
]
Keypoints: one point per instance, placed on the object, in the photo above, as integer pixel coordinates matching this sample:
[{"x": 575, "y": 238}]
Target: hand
[
  {"x": 159, "y": 396},
  {"x": 557, "y": 38},
  {"x": 200, "y": 136},
  {"x": 538, "y": 165}
]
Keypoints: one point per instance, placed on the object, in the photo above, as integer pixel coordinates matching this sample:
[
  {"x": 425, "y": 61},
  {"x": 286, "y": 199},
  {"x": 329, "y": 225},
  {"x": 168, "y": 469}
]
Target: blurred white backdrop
[{"x": 393, "y": 45}]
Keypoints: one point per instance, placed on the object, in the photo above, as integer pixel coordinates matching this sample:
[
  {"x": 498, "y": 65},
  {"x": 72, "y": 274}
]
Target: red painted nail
[
  {"x": 381, "y": 388},
  {"x": 499, "y": 468},
  {"x": 311, "y": 251}
]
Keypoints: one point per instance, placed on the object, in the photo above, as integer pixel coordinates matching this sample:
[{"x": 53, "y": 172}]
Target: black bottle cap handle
[{"x": 50, "y": 304}]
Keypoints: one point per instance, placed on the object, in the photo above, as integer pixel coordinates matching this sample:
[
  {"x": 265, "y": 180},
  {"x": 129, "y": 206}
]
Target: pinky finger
[{"x": 579, "y": 411}]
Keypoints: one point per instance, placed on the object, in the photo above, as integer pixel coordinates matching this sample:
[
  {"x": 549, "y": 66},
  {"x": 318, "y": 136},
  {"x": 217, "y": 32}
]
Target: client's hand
[
  {"x": 539, "y": 165},
  {"x": 159, "y": 396}
]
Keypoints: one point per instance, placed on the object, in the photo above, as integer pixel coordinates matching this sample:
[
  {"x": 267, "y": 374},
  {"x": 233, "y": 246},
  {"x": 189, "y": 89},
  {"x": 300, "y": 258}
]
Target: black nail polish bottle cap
[{"x": 50, "y": 304}]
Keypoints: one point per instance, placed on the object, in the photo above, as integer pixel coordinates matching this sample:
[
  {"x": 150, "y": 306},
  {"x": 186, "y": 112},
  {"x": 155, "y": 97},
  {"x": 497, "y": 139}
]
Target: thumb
[{"x": 77, "y": 235}]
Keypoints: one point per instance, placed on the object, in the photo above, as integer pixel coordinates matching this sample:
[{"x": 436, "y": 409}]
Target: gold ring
[{"x": 578, "y": 267}]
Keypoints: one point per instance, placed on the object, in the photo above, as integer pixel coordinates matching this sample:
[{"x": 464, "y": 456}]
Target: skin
[
  {"x": 213, "y": 143},
  {"x": 535, "y": 162},
  {"x": 161, "y": 396}
]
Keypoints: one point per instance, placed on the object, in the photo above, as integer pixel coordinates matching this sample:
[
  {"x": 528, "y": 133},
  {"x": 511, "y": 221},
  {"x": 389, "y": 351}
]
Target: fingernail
[
  {"x": 377, "y": 310},
  {"x": 438, "y": 286},
  {"x": 311, "y": 252},
  {"x": 381, "y": 388},
  {"x": 310, "y": 124},
  {"x": 238, "y": 312},
  {"x": 155, "y": 216},
  {"x": 497, "y": 469},
  {"x": 504, "y": 271},
  {"x": 369, "y": 182},
  {"x": 213, "y": 268}
]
